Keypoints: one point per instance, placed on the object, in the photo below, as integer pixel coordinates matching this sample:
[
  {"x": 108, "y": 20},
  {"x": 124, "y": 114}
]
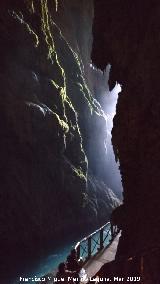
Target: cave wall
[
  {"x": 126, "y": 35},
  {"x": 47, "y": 115}
]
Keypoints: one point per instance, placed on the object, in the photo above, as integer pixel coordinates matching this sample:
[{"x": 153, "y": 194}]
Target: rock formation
[
  {"x": 52, "y": 127},
  {"x": 126, "y": 35}
]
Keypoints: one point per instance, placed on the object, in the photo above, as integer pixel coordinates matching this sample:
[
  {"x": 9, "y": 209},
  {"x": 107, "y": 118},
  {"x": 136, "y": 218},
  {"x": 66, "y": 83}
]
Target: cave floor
[{"x": 106, "y": 255}]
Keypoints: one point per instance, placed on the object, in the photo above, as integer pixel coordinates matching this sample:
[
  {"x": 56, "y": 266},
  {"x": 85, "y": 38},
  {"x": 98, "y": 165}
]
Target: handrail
[
  {"x": 95, "y": 242},
  {"x": 90, "y": 235}
]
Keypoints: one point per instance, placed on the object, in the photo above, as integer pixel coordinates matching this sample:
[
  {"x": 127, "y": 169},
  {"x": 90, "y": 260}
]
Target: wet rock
[{"x": 47, "y": 114}]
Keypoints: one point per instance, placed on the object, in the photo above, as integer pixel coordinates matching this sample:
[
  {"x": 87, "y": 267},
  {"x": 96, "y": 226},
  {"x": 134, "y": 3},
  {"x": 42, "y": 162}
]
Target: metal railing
[{"x": 95, "y": 242}]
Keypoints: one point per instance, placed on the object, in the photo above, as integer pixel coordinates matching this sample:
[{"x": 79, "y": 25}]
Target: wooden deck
[{"x": 106, "y": 255}]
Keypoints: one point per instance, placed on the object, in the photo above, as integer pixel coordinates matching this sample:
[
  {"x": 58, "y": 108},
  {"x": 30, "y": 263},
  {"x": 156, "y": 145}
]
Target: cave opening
[
  {"x": 113, "y": 170},
  {"x": 103, "y": 162}
]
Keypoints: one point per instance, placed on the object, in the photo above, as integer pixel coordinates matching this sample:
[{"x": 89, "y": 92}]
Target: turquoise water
[
  {"x": 45, "y": 265},
  {"x": 48, "y": 264},
  {"x": 95, "y": 241}
]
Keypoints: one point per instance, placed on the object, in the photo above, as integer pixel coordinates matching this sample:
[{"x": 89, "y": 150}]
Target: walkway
[{"x": 106, "y": 255}]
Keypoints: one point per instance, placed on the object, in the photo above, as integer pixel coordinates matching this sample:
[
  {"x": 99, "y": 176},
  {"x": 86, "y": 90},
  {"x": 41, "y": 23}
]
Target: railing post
[
  {"x": 78, "y": 251},
  {"x": 89, "y": 247},
  {"x": 101, "y": 239}
]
